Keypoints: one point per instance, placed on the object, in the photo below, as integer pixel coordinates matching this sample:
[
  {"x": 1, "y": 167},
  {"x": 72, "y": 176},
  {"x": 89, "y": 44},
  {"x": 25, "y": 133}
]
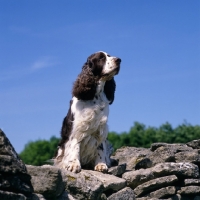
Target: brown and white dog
[{"x": 84, "y": 130}]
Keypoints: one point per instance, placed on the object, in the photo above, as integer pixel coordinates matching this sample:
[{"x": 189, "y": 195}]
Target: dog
[{"x": 84, "y": 129}]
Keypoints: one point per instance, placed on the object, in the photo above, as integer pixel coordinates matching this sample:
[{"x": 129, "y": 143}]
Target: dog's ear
[
  {"x": 85, "y": 85},
  {"x": 96, "y": 62},
  {"x": 109, "y": 90}
]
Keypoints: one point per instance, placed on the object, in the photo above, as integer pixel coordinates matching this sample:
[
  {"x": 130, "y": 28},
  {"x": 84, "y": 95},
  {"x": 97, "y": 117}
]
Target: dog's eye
[{"x": 108, "y": 55}]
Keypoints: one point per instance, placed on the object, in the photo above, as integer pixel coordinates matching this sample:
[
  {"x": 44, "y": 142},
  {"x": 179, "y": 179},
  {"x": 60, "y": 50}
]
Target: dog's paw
[
  {"x": 73, "y": 166},
  {"x": 101, "y": 167}
]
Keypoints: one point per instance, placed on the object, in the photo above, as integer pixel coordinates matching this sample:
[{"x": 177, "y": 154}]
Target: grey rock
[
  {"x": 131, "y": 156},
  {"x": 35, "y": 196},
  {"x": 179, "y": 197},
  {"x": 110, "y": 182},
  {"x": 46, "y": 180},
  {"x": 82, "y": 185},
  {"x": 91, "y": 184},
  {"x": 163, "y": 152},
  {"x": 191, "y": 182},
  {"x": 166, "y": 171},
  {"x": 189, "y": 190},
  {"x": 103, "y": 197},
  {"x": 163, "y": 192},
  {"x": 176, "y": 147},
  {"x": 155, "y": 184},
  {"x": 117, "y": 170},
  {"x": 124, "y": 194},
  {"x": 9, "y": 161},
  {"x": 4, "y": 195},
  {"x": 144, "y": 163},
  {"x": 176, "y": 197},
  {"x": 135, "y": 178},
  {"x": 13, "y": 172},
  {"x": 188, "y": 156},
  {"x": 65, "y": 196},
  {"x": 183, "y": 170},
  {"x": 173, "y": 197},
  {"x": 195, "y": 144},
  {"x": 157, "y": 145},
  {"x": 147, "y": 198}
]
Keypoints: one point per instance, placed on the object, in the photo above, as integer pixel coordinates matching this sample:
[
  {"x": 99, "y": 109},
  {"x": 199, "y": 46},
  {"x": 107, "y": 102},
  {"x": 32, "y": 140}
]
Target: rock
[
  {"x": 13, "y": 172},
  {"x": 11, "y": 196},
  {"x": 184, "y": 170},
  {"x": 189, "y": 190},
  {"x": 176, "y": 147},
  {"x": 36, "y": 197},
  {"x": 103, "y": 196},
  {"x": 195, "y": 144},
  {"x": 165, "y": 171},
  {"x": 163, "y": 192},
  {"x": 131, "y": 156},
  {"x": 157, "y": 145},
  {"x": 163, "y": 152},
  {"x": 46, "y": 180},
  {"x": 82, "y": 185},
  {"x": 192, "y": 182},
  {"x": 135, "y": 178},
  {"x": 143, "y": 164},
  {"x": 124, "y": 194},
  {"x": 9, "y": 156},
  {"x": 155, "y": 184},
  {"x": 176, "y": 197},
  {"x": 65, "y": 196},
  {"x": 188, "y": 156},
  {"x": 91, "y": 184},
  {"x": 117, "y": 170},
  {"x": 147, "y": 198},
  {"x": 110, "y": 182}
]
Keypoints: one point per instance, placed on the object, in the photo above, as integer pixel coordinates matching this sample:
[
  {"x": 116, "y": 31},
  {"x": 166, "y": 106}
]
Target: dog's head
[
  {"x": 103, "y": 65},
  {"x": 100, "y": 66}
]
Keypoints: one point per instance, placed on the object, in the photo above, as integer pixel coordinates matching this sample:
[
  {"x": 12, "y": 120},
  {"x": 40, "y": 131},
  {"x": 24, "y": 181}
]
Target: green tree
[
  {"x": 142, "y": 136},
  {"x": 186, "y": 132},
  {"x": 39, "y": 152},
  {"x": 114, "y": 139}
]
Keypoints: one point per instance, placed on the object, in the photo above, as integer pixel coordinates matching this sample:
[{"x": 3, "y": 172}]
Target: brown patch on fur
[
  {"x": 85, "y": 85},
  {"x": 65, "y": 131}
]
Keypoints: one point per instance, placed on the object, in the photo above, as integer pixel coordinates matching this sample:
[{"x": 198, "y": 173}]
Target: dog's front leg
[
  {"x": 71, "y": 159},
  {"x": 100, "y": 161}
]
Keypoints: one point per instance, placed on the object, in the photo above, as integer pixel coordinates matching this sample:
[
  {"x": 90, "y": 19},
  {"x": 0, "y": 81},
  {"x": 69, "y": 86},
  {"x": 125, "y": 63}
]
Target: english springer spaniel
[{"x": 84, "y": 130}]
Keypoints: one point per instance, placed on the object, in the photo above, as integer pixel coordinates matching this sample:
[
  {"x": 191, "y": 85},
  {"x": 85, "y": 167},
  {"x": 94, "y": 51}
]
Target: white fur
[
  {"x": 89, "y": 131},
  {"x": 110, "y": 64}
]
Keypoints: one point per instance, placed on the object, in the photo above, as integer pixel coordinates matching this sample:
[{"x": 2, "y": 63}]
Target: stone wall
[{"x": 164, "y": 171}]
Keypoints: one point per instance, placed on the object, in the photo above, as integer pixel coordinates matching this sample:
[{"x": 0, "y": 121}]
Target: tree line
[{"x": 41, "y": 151}]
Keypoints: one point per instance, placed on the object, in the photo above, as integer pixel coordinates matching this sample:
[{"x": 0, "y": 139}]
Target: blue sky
[{"x": 44, "y": 44}]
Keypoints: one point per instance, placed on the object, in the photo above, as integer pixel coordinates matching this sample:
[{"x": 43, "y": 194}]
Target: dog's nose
[{"x": 117, "y": 61}]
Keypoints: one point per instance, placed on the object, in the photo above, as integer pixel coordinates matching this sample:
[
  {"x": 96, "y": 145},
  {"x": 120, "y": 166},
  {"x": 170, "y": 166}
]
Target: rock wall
[{"x": 164, "y": 171}]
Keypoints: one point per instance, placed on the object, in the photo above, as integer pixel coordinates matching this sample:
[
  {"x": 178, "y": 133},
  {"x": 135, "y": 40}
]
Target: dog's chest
[{"x": 90, "y": 117}]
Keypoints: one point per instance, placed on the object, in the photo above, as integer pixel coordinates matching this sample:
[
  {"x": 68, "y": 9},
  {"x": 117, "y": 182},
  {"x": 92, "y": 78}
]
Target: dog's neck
[{"x": 100, "y": 87}]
